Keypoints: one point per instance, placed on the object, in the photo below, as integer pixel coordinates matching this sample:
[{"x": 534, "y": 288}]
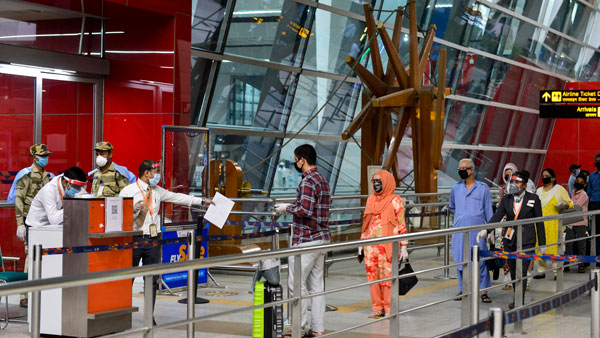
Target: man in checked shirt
[{"x": 310, "y": 227}]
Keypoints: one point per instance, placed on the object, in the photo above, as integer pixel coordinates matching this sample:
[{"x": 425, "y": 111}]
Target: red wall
[
  {"x": 148, "y": 87},
  {"x": 573, "y": 141}
]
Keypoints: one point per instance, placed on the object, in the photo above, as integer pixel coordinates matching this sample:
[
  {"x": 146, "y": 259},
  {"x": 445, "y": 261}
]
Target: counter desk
[{"x": 96, "y": 309}]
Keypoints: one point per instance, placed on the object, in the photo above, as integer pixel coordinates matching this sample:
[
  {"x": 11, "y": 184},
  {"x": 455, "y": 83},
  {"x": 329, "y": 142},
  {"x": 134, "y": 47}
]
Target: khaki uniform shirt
[
  {"x": 27, "y": 187},
  {"x": 108, "y": 183}
]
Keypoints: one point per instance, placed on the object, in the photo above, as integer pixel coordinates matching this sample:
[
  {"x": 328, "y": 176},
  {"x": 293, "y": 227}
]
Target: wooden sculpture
[{"x": 400, "y": 91}]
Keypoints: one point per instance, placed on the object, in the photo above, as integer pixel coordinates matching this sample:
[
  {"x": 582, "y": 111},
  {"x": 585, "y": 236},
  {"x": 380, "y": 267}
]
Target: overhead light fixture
[
  {"x": 50, "y": 35},
  {"x": 45, "y": 69}
]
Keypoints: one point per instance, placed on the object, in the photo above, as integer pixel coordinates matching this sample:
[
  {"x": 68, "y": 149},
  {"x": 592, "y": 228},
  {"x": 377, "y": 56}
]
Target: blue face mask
[
  {"x": 72, "y": 192},
  {"x": 154, "y": 180},
  {"x": 42, "y": 161}
]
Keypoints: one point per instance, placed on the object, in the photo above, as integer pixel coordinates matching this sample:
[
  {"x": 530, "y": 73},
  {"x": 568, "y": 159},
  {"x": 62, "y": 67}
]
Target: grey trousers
[{"x": 312, "y": 282}]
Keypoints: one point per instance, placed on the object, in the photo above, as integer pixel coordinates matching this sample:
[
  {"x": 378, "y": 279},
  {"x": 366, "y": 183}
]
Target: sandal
[
  {"x": 485, "y": 298},
  {"x": 507, "y": 287},
  {"x": 377, "y": 314},
  {"x": 311, "y": 334}
]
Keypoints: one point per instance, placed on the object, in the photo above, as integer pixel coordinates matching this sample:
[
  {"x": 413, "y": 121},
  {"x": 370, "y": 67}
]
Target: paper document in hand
[{"x": 217, "y": 213}]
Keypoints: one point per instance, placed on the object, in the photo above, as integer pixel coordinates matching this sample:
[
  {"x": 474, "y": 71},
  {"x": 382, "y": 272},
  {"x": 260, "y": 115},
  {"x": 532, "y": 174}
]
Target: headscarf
[
  {"x": 380, "y": 203},
  {"x": 510, "y": 166}
]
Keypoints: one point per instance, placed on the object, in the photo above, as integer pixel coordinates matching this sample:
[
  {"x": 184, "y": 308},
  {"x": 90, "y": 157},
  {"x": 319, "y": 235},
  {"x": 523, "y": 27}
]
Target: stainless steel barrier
[{"x": 37, "y": 285}]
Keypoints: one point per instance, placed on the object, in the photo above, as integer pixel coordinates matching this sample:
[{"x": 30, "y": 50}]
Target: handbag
[
  {"x": 406, "y": 283},
  {"x": 574, "y": 219}
]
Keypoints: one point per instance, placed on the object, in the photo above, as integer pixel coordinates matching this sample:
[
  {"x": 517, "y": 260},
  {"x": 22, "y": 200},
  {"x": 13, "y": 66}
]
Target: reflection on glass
[
  {"x": 207, "y": 20},
  {"x": 251, "y": 96},
  {"x": 462, "y": 121},
  {"x": 311, "y": 94},
  {"x": 276, "y": 31}
]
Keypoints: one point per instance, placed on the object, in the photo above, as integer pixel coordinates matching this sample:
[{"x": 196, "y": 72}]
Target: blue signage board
[{"x": 178, "y": 252}]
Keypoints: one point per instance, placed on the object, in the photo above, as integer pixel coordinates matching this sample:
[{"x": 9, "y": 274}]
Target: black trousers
[
  {"x": 596, "y": 206},
  {"x": 148, "y": 256},
  {"x": 512, "y": 265},
  {"x": 577, "y": 231}
]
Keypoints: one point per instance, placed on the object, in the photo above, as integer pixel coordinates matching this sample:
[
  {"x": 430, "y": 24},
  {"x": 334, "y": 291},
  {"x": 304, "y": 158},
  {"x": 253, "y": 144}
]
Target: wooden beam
[
  {"x": 403, "y": 98},
  {"x": 393, "y": 57},
  {"x": 401, "y": 125},
  {"x": 390, "y": 78},
  {"x": 375, "y": 85},
  {"x": 381, "y": 133},
  {"x": 413, "y": 47},
  {"x": 358, "y": 121},
  {"x": 426, "y": 48},
  {"x": 374, "y": 46}
]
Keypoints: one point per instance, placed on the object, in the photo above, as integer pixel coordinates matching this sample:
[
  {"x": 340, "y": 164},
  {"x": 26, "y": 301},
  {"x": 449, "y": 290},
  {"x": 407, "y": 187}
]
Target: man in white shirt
[
  {"x": 147, "y": 197},
  {"x": 47, "y": 206}
]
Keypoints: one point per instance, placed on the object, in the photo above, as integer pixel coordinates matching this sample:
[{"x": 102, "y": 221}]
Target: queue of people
[{"x": 39, "y": 195}]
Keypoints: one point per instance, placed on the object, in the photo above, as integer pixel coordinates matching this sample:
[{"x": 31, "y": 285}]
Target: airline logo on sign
[{"x": 569, "y": 104}]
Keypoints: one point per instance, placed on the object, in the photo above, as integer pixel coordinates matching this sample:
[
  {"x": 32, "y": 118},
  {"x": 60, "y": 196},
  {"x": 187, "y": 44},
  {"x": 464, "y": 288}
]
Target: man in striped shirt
[{"x": 310, "y": 228}]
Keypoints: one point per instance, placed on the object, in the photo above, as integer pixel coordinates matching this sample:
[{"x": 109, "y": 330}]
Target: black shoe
[
  {"x": 542, "y": 276},
  {"x": 458, "y": 296},
  {"x": 511, "y": 306}
]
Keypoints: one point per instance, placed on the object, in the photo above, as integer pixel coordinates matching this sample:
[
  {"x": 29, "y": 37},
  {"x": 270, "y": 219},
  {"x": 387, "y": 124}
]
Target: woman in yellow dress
[{"x": 554, "y": 198}]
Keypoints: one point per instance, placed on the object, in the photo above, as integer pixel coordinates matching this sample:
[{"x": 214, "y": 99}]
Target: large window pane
[
  {"x": 311, "y": 94},
  {"x": 207, "y": 23},
  {"x": 276, "y": 31},
  {"x": 251, "y": 96}
]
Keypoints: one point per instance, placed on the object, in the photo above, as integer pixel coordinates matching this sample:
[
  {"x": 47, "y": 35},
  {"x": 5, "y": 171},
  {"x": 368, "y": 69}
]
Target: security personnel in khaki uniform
[
  {"x": 25, "y": 186},
  {"x": 109, "y": 177}
]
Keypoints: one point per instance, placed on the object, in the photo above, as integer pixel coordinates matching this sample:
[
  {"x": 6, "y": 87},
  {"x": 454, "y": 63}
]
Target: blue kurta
[{"x": 470, "y": 207}]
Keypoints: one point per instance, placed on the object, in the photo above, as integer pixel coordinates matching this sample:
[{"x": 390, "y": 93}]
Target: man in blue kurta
[{"x": 471, "y": 204}]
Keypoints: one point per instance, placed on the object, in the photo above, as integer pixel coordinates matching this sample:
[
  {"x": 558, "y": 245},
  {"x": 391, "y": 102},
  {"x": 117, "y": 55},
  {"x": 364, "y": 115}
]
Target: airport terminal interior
[{"x": 152, "y": 138}]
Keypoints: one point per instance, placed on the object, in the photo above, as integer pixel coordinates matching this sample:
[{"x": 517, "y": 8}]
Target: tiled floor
[{"x": 354, "y": 306}]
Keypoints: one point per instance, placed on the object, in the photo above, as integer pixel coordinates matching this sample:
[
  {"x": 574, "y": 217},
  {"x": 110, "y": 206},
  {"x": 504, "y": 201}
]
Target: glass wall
[{"x": 267, "y": 73}]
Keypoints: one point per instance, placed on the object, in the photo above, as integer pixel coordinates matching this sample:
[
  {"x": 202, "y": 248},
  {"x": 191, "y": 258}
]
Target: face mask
[
  {"x": 298, "y": 169},
  {"x": 546, "y": 180},
  {"x": 154, "y": 180},
  {"x": 506, "y": 177},
  {"x": 42, "y": 161},
  {"x": 101, "y": 161},
  {"x": 513, "y": 189},
  {"x": 377, "y": 185},
  {"x": 578, "y": 186},
  {"x": 577, "y": 172},
  {"x": 463, "y": 174},
  {"x": 72, "y": 191}
]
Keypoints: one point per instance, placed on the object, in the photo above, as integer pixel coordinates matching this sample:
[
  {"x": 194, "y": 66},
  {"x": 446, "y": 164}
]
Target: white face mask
[{"x": 101, "y": 161}]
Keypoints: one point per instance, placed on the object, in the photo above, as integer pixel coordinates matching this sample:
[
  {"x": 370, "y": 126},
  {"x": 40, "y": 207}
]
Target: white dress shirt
[
  {"x": 158, "y": 195},
  {"x": 47, "y": 206}
]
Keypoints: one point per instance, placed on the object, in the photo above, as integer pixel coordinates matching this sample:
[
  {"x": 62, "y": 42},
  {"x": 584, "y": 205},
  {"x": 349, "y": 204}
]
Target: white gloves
[
  {"x": 282, "y": 208},
  {"x": 481, "y": 234},
  {"x": 403, "y": 253},
  {"x": 560, "y": 205},
  {"x": 21, "y": 232},
  {"x": 360, "y": 250}
]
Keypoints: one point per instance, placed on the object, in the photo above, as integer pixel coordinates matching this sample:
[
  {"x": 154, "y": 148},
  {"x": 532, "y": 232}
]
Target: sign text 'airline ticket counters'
[{"x": 574, "y": 104}]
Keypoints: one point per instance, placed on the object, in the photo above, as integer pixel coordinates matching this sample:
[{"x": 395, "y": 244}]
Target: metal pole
[
  {"x": 497, "y": 330},
  {"x": 394, "y": 307},
  {"x": 297, "y": 292},
  {"x": 560, "y": 271},
  {"x": 191, "y": 297},
  {"x": 149, "y": 306},
  {"x": 465, "y": 317},
  {"x": 36, "y": 295},
  {"x": 593, "y": 248},
  {"x": 519, "y": 276},
  {"x": 474, "y": 284},
  {"x": 446, "y": 274},
  {"x": 595, "y": 319}
]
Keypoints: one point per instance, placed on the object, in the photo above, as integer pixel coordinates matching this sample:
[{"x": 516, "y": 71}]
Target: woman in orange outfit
[{"x": 384, "y": 216}]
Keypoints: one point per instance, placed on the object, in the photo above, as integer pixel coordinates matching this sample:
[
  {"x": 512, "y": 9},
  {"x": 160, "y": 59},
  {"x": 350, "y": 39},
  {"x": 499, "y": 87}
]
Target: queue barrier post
[
  {"x": 191, "y": 287},
  {"x": 595, "y": 313},
  {"x": 36, "y": 295},
  {"x": 497, "y": 329},
  {"x": 474, "y": 284}
]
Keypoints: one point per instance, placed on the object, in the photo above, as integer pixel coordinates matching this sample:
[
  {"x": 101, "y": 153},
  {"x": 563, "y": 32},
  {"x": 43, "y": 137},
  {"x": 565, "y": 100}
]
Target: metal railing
[{"x": 470, "y": 299}]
